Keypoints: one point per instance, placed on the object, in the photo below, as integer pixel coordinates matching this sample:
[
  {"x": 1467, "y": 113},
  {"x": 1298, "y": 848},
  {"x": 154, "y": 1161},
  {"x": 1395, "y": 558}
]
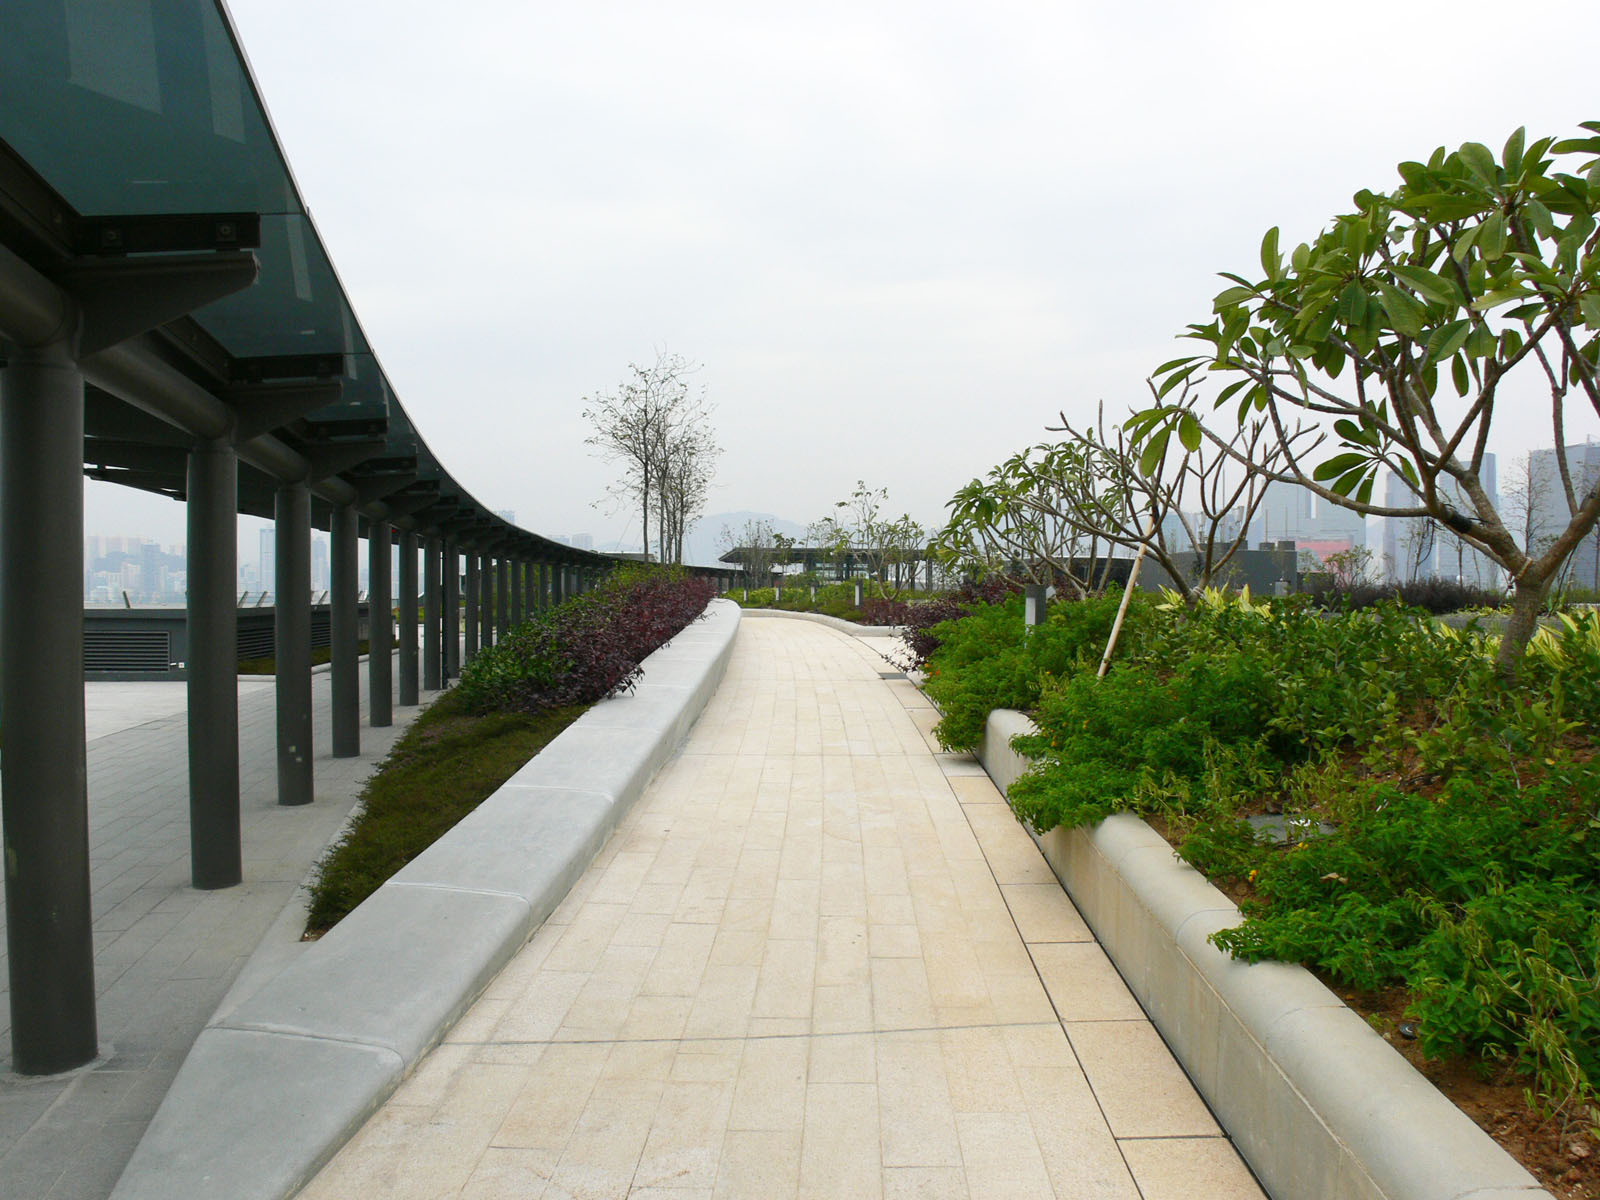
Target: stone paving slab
[
  {"x": 813, "y": 961},
  {"x": 358, "y": 1008},
  {"x": 166, "y": 954}
]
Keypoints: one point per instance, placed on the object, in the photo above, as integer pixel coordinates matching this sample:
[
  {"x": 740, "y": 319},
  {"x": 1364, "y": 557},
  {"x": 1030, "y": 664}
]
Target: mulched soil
[{"x": 1565, "y": 1159}]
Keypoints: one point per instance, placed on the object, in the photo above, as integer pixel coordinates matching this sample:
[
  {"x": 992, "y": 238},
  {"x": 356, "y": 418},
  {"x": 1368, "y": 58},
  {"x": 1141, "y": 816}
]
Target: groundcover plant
[{"x": 1454, "y": 844}]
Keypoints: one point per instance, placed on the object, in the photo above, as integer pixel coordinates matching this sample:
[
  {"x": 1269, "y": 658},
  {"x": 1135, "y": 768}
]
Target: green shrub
[{"x": 1457, "y": 852}]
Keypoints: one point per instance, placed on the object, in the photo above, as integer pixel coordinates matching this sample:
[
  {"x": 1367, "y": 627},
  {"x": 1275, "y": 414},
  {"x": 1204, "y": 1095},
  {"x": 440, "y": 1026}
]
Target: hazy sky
[{"x": 900, "y": 237}]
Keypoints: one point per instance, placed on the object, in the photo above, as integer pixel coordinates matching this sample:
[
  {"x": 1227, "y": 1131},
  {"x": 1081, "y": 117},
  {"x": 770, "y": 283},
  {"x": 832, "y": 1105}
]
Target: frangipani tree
[
  {"x": 1056, "y": 507},
  {"x": 1398, "y": 335}
]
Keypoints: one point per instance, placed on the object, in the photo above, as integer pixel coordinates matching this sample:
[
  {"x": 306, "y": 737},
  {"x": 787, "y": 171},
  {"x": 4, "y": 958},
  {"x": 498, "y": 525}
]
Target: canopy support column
[
  {"x": 406, "y": 602},
  {"x": 292, "y": 640},
  {"x": 452, "y": 610},
  {"x": 345, "y": 653},
  {"x": 46, "y": 813},
  {"x": 431, "y": 660},
  {"x": 215, "y": 857},
  {"x": 471, "y": 602},
  {"x": 380, "y": 628}
]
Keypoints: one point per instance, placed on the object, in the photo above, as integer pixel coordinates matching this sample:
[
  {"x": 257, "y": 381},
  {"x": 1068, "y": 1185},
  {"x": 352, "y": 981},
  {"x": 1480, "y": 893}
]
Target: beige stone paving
[{"x": 819, "y": 959}]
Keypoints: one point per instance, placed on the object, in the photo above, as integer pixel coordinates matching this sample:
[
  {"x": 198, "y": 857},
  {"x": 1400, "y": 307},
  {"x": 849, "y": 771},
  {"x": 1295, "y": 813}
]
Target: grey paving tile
[{"x": 165, "y": 954}]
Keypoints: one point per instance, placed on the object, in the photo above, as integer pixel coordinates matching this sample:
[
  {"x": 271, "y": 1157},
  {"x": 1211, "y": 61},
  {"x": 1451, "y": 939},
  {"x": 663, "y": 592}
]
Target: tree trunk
[{"x": 1526, "y": 606}]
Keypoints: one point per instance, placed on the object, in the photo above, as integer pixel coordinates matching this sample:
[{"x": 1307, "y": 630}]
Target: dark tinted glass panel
[{"x": 136, "y": 106}]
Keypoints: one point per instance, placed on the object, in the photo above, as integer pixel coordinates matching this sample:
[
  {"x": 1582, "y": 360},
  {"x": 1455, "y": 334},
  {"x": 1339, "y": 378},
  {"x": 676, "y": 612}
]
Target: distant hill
[{"x": 701, "y": 546}]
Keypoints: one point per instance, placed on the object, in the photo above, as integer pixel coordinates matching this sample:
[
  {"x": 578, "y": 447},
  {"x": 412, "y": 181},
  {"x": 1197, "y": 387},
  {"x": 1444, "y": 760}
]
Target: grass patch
[
  {"x": 269, "y": 666},
  {"x": 444, "y": 766}
]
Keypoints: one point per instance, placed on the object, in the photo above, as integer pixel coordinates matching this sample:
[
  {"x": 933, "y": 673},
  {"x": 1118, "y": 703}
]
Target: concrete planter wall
[
  {"x": 278, "y": 1082},
  {"x": 1320, "y": 1106}
]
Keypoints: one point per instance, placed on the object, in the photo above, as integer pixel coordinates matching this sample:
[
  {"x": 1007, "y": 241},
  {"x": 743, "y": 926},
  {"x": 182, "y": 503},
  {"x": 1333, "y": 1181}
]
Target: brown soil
[{"x": 1563, "y": 1157}]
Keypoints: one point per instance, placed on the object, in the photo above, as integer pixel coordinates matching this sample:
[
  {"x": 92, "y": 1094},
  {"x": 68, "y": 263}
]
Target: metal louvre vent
[
  {"x": 127, "y": 650},
  {"x": 256, "y": 642}
]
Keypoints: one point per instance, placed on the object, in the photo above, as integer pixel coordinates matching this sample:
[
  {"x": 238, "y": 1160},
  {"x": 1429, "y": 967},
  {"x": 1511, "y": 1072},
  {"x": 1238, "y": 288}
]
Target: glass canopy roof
[{"x": 147, "y": 108}]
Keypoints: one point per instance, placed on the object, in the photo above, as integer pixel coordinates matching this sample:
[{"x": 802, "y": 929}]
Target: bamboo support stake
[{"x": 1127, "y": 595}]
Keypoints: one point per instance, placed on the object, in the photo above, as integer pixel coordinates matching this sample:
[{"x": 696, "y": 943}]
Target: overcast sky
[{"x": 900, "y": 237}]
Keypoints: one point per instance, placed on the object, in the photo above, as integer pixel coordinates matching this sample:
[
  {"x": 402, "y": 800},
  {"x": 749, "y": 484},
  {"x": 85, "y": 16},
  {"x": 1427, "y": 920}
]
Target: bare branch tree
[{"x": 655, "y": 425}]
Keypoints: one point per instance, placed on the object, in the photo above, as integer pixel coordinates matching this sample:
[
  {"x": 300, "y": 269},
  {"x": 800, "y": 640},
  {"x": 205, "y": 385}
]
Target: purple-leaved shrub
[{"x": 587, "y": 648}]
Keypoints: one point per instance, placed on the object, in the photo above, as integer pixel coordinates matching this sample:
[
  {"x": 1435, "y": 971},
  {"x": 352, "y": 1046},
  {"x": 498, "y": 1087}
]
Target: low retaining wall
[
  {"x": 1319, "y": 1105},
  {"x": 843, "y": 626},
  {"x": 274, "y": 1087}
]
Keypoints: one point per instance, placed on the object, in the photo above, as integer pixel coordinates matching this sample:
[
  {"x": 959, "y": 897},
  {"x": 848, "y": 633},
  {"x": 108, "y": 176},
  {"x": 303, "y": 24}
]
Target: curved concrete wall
[
  {"x": 273, "y": 1088},
  {"x": 1319, "y": 1105}
]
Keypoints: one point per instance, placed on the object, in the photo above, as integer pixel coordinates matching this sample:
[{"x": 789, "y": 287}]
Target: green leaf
[
  {"x": 1589, "y": 306},
  {"x": 1464, "y": 243},
  {"x": 1459, "y": 376},
  {"x": 1271, "y": 261},
  {"x": 1228, "y": 392},
  {"x": 1481, "y": 343},
  {"x": 1492, "y": 241},
  {"x": 1189, "y": 432},
  {"x": 1503, "y": 296},
  {"x": 1448, "y": 338},
  {"x": 1434, "y": 288},
  {"x": 1176, "y": 379},
  {"x": 1173, "y": 364},
  {"x": 1443, "y": 206},
  {"x": 1512, "y": 155},
  {"x": 1338, "y": 465},
  {"x": 1543, "y": 224},
  {"x": 1406, "y": 316},
  {"x": 1353, "y": 303},
  {"x": 1480, "y": 161},
  {"x": 1229, "y": 297},
  {"x": 1154, "y": 450},
  {"x": 1355, "y": 434}
]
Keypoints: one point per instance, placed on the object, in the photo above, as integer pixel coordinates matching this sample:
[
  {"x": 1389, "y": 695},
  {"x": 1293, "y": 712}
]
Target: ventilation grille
[
  {"x": 127, "y": 650},
  {"x": 256, "y": 640}
]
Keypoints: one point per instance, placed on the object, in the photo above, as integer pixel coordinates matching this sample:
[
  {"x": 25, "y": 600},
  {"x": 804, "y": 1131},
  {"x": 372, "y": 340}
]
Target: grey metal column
[
  {"x": 471, "y": 601},
  {"x": 486, "y": 596},
  {"x": 502, "y": 596},
  {"x": 46, "y": 813},
  {"x": 430, "y": 614},
  {"x": 345, "y": 655},
  {"x": 292, "y": 638},
  {"x": 513, "y": 593},
  {"x": 452, "y": 610},
  {"x": 380, "y": 628},
  {"x": 406, "y": 602},
  {"x": 215, "y": 860},
  {"x": 530, "y": 576},
  {"x": 543, "y": 589}
]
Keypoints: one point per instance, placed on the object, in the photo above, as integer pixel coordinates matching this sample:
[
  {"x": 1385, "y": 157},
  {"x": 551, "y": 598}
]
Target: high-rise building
[
  {"x": 267, "y": 572},
  {"x": 1291, "y": 513},
  {"x": 321, "y": 581},
  {"x": 1420, "y": 548},
  {"x": 1549, "y": 511}
]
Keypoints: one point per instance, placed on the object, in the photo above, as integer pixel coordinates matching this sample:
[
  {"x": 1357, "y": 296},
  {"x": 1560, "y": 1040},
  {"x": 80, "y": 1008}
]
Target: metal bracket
[{"x": 121, "y": 298}]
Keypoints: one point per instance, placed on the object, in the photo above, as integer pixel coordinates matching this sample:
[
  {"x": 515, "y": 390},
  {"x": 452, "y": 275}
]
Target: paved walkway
[
  {"x": 819, "y": 959},
  {"x": 165, "y": 954}
]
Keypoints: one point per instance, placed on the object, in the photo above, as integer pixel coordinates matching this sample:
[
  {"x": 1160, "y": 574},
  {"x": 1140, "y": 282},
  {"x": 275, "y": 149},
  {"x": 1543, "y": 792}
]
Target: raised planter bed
[{"x": 1319, "y": 1105}]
